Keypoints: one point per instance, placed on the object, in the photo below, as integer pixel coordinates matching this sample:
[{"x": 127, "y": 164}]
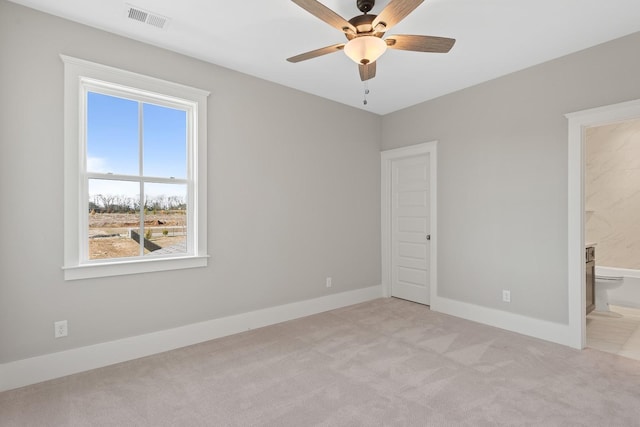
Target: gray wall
[
  {"x": 502, "y": 174},
  {"x": 291, "y": 200}
]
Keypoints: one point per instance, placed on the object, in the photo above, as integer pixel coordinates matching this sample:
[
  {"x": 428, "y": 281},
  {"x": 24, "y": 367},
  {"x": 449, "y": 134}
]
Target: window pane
[
  {"x": 114, "y": 212},
  {"x": 112, "y": 135},
  {"x": 165, "y": 141},
  {"x": 165, "y": 218}
]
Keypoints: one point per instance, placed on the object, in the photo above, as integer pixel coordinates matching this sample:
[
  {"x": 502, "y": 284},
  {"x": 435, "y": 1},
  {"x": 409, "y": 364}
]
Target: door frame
[
  {"x": 578, "y": 123},
  {"x": 387, "y": 158}
]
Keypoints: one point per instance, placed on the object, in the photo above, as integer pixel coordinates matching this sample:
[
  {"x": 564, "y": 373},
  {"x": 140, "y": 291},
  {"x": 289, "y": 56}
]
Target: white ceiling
[{"x": 494, "y": 37}]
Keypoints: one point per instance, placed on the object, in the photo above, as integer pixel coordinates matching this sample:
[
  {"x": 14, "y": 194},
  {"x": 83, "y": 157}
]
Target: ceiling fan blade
[
  {"x": 367, "y": 71},
  {"x": 394, "y": 12},
  {"x": 316, "y": 53},
  {"x": 420, "y": 43},
  {"x": 327, "y": 15}
]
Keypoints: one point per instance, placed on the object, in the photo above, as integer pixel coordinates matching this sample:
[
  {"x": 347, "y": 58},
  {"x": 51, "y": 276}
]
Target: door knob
[{"x": 428, "y": 236}]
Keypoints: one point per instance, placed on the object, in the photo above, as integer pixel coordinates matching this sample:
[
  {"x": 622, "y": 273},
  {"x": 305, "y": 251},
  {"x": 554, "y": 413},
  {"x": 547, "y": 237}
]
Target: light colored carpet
[{"x": 384, "y": 362}]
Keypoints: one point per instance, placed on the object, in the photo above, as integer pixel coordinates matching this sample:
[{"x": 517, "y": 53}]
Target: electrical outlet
[
  {"x": 60, "y": 329},
  {"x": 328, "y": 282},
  {"x": 506, "y": 295}
]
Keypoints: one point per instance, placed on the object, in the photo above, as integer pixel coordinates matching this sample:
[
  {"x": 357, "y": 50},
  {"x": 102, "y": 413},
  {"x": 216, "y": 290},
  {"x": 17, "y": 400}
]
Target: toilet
[{"x": 603, "y": 285}]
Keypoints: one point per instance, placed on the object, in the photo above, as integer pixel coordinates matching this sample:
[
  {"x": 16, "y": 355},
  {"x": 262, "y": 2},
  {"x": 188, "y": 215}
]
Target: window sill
[{"x": 119, "y": 268}]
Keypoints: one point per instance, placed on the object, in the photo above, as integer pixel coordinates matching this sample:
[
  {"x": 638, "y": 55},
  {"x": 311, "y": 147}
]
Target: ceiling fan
[{"x": 364, "y": 33}]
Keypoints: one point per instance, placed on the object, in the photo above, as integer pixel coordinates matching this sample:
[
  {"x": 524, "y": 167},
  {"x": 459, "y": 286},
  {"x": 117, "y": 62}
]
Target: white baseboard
[
  {"x": 549, "y": 331},
  {"x": 49, "y": 366}
]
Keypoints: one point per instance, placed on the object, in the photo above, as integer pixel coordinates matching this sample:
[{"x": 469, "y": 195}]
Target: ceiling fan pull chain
[{"x": 366, "y": 92}]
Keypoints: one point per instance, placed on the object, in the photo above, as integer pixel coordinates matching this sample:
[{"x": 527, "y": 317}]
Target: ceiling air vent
[{"x": 141, "y": 15}]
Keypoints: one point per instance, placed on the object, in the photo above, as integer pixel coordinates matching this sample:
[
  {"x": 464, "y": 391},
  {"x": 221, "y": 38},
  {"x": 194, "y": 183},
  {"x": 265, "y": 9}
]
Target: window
[{"x": 135, "y": 173}]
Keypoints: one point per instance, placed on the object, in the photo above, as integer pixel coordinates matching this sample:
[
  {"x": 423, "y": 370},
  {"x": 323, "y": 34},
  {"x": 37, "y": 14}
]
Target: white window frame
[{"x": 82, "y": 76}]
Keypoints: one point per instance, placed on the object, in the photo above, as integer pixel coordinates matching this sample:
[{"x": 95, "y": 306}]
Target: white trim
[
  {"x": 549, "y": 331},
  {"x": 136, "y": 80},
  {"x": 137, "y": 266},
  {"x": 80, "y": 75},
  {"x": 42, "y": 368},
  {"x": 387, "y": 157},
  {"x": 578, "y": 122}
]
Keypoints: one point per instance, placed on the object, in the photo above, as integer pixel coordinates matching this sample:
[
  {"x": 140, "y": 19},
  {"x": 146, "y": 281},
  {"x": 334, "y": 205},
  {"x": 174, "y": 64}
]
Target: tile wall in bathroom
[{"x": 612, "y": 193}]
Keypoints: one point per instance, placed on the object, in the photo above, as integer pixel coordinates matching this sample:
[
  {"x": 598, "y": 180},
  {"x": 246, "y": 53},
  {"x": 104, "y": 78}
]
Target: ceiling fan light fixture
[{"x": 365, "y": 49}]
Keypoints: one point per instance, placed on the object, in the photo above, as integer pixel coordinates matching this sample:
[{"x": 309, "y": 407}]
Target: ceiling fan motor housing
[
  {"x": 363, "y": 26},
  {"x": 365, "y": 5}
]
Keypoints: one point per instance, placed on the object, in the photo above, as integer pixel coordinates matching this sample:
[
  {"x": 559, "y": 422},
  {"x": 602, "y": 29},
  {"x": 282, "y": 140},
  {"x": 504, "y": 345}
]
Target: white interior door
[{"x": 410, "y": 229}]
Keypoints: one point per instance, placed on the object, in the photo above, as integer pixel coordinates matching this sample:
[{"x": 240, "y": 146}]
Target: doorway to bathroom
[
  {"x": 612, "y": 236},
  {"x": 579, "y": 125}
]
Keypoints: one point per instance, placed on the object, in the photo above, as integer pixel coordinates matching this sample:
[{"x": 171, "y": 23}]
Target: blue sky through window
[
  {"x": 165, "y": 142},
  {"x": 113, "y": 142},
  {"x": 112, "y": 134}
]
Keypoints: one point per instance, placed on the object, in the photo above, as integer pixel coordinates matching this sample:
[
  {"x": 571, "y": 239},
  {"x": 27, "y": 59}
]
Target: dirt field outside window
[{"x": 109, "y": 232}]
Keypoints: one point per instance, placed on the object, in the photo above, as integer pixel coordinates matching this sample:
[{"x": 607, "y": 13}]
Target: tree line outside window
[{"x": 108, "y": 203}]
